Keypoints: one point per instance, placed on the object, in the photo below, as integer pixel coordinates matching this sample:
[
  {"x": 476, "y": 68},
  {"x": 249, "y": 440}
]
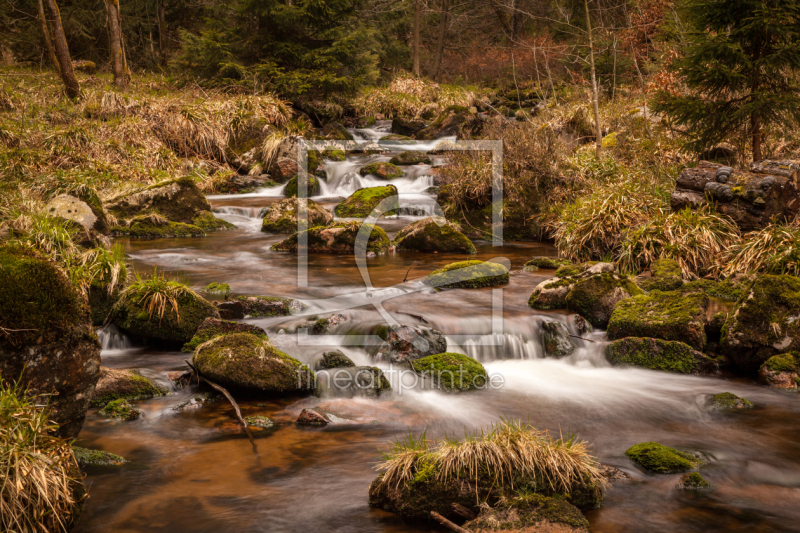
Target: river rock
[
  {"x": 451, "y": 372},
  {"x": 47, "y": 339},
  {"x": 115, "y": 384},
  {"x": 311, "y": 417},
  {"x": 408, "y": 343},
  {"x": 411, "y": 157},
  {"x": 229, "y": 309},
  {"x": 658, "y": 354},
  {"x": 283, "y": 164},
  {"x": 596, "y": 296},
  {"x": 333, "y": 359},
  {"x": 215, "y": 327},
  {"x": 266, "y": 306},
  {"x": 551, "y": 294},
  {"x": 384, "y": 171},
  {"x": 693, "y": 481},
  {"x": 91, "y": 218},
  {"x": 727, "y": 401},
  {"x": 655, "y": 457},
  {"x": 766, "y": 322},
  {"x": 781, "y": 371},
  {"x": 282, "y": 217},
  {"x": 555, "y": 339},
  {"x": 362, "y": 202},
  {"x": 339, "y": 239},
  {"x": 407, "y": 127},
  {"x": 433, "y": 234},
  {"x": 672, "y": 316},
  {"x": 121, "y": 410},
  {"x": 534, "y": 514},
  {"x": 247, "y": 363},
  {"x": 468, "y": 275}
]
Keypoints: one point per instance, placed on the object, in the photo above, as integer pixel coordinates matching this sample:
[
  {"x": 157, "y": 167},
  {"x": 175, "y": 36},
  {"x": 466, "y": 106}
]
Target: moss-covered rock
[
  {"x": 85, "y": 209},
  {"x": 468, "y": 275},
  {"x": 693, "y": 481},
  {"x": 47, "y": 340},
  {"x": 120, "y": 409},
  {"x": 781, "y": 371},
  {"x": 87, "y": 457},
  {"x": 406, "y": 126},
  {"x": 672, "y": 316},
  {"x": 266, "y": 306},
  {"x": 555, "y": 339},
  {"x": 595, "y": 297},
  {"x": 333, "y": 359},
  {"x": 334, "y": 154},
  {"x": 336, "y": 132},
  {"x": 259, "y": 421},
  {"x": 384, "y": 171},
  {"x": 282, "y": 217},
  {"x": 408, "y": 343},
  {"x": 412, "y": 157},
  {"x": 433, "y": 234},
  {"x": 323, "y": 326},
  {"x": 451, "y": 372},
  {"x": 551, "y": 294},
  {"x": 533, "y": 513},
  {"x": 215, "y": 327},
  {"x": 730, "y": 290},
  {"x": 666, "y": 275},
  {"x": 206, "y": 221},
  {"x": 545, "y": 262},
  {"x": 338, "y": 239},
  {"x": 766, "y": 322},
  {"x": 176, "y": 328},
  {"x": 658, "y": 354},
  {"x": 247, "y": 363},
  {"x": 661, "y": 459},
  {"x": 361, "y": 203},
  {"x": 366, "y": 122},
  {"x": 217, "y": 288},
  {"x": 152, "y": 227},
  {"x": 178, "y": 200},
  {"x": 101, "y": 302},
  {"x": 115, "y": 384},
  {"x": 727, "y": 401},
  {"x": 290, "y": 191}
]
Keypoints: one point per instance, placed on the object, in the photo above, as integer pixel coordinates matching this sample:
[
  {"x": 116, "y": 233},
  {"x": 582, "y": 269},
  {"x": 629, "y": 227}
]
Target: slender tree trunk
[
  {"x": 755, "y": 126},
  {"x": 595, "y": 103},
  {"x": 416, "y": 37},
  {"x": 116, "y": 50},
  {"x": 437, "y": 60},
  {"x": 48, "y": 43},
  {"x": 62, "y": 52},
  {"x": 162, "y": 33},
  {"x": 755, "y": 118}
]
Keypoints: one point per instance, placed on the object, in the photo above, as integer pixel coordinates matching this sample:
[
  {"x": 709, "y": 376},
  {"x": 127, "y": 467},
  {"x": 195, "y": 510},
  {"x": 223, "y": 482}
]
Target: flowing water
[{"x": 195, "y": 470}]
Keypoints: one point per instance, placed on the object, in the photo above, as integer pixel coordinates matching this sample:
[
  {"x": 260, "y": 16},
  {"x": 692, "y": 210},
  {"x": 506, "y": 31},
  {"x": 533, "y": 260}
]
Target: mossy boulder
[
  {"x": 155, "y": 226},
  {"x": 247, "y": 363},
  {"x": 361, "y": 203},
  {"x": 451, "y": 372},
  {"x": 555, "y": 339},
  {"x": 661, "y": 459},
  {"x": 551, "y": 294},
  {"x": 468, "y": 275},
  {"x": 658, "y": 354},
  {"x": 693, "y": 481},
  {"x": 595, "y": 297},
  {"x": 120, "y": 409},
  {"x": 433, "y": 234},
  {"x": 766, "y": 322},
  {"x": 266, "y": 306},
  {"x": 333, "y": 359},
  {"x": 665, "y": 275},
  {"x": 672, "y": 316},
  {"x": 206, "y": 221},
  {"x": 334, "y": 154},
  {"x": 338, "y": 239},
  {"x": 83, "y": 209},
  {"x": 215, "y": 327},
  {"x": 730, "y": 290},
  {"x": 47, "y": 339},
  {"x": 781, "y": 371},
  {"x": 727, "y": 401},
  {"x": 87, "y": 457},
  {"x": 532, "y": 513},
  {"x": 544, "y": 262},
  {"x": 178, "y": 200},
  {"x": 290, "y": 191},
  {"x": 115, "y": 384},
  {"x": 411, "y": 157},
  {"x": 336, "y": 132},
  {"x": 366, "y": 122},
  {"x": 131, "y": 316},
  {"x": 282, "y": 217},
  {"x": 409, "y": 343},
  {"x": 384, "y": 171}
]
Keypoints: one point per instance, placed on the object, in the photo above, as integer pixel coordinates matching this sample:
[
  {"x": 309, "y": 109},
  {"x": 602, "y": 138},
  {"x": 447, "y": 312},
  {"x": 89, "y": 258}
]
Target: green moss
[
  {"x": 550, "y": 263},
  {"x": 218, "y": 288},
  {"x": 588, "y": 296},
  {"x": 334, "y": 155},
  {"x": 787, "y": 362},
  {"x": 37, "y": 299},
  {"x": 266, "y": 306},
  {"x": 728, "y": 290},
  {"x": 385, "y": 171},
  {"x": 124, "y": 385},
  {"x": 661, "y": 459},
  {"x": 693, "y": 481},
  {"x": 290, "y": 191},
  {"x": 672, "y": 316},
  {"x": 468, "y": 275},
  {"x": 452, "y": 372},
  {"x": 366, "y": 122},
  {"x": 86, "y": 457},
  {"x": 206, "y": 221},
  {"x": 726, "y": 401},
  {"x": 143, "y": 228},
  {"x": 568, "y": 270},
  {"x": 224, "y": 327},
  {"x": 428, "y": 236},
  {"x": 551, "y": 294},
  {"x": 361, "y": 203},
  {"x": 528, "y": 512},
  {"x": 656, "y": 354},
  {"x": 665, "y": 268},
  {"x": 396, "y": 137},
  {"x": 120, "y": 409},
  {"x": 334, "y": 359},
  {"x": 258, "y": 421}
]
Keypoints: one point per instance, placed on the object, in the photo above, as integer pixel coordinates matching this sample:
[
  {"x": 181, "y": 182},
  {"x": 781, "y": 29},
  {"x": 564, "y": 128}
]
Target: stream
[{"x": 195, "y": 469}]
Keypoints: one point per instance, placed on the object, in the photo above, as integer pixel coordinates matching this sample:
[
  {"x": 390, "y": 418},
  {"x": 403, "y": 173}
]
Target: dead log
[{"x": 448, "y": 524}]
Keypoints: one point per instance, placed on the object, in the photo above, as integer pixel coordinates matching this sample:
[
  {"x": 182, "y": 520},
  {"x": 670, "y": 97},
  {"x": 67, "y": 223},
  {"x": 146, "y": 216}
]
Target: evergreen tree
[{"x": 740, "y": 64}]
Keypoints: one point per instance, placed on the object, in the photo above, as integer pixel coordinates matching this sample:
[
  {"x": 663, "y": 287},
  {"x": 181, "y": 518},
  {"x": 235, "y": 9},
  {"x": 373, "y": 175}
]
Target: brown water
[{"x": 195, "y": 470}]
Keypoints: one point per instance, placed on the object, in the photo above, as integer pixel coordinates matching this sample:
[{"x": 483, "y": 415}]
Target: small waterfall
[
  {"x": 111, "y": 338},
  {"x": 247, "y": 212},
  {"x": 497, "y": 346}
]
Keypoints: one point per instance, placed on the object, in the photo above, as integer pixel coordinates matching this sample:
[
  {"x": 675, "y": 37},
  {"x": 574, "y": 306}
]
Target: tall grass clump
[
  {"x": 407, "y": 96},
  {"x": 509, "y": 452},
  {"x": 155, "y": 293},
  {"x": 38, "y": 472},
  {"x": 772, "y": 250},
  {"x": 695, "y": 239}
]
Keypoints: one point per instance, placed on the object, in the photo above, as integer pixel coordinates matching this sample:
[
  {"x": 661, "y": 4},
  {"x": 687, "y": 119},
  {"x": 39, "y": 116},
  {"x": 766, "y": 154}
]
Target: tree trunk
[
  {"x": 437, "y": 60},
  {"x": 62, "y": 52},
  {"x": 755, "y": 125},
  {"x": 416, "y": 37},
  {"x": 162, "y": 33},
  {"x": 48, "y": 43},
  {"x": 115, "y": 48},
  {"x": 595, "y": 103},
  {"x": 755, "y": 118}
]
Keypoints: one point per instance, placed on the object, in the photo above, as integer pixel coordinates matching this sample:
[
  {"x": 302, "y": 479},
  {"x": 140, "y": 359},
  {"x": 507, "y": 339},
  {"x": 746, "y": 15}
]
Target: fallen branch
[
  {"x": 581, "y": 338},
  {"x": 221, "y": 389},
  {"x": 448, "y": 524},
  {"x": 405, "y": 279}
]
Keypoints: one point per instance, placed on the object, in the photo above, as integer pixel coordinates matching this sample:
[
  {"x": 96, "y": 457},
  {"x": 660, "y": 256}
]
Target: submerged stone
[
  {"x": 661, "y": 459},
  {"x": 693, "y": 481},
  {"x": 727, "y": 401},
  {"x": 259, "y": 421},
  {"x": 87, "y": 457},
  {"x": 120, "y": 409}
]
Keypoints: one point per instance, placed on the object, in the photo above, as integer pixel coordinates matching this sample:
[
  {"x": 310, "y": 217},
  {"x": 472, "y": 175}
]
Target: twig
[
  {"x": 582, "y": 338},
  {"x": 409, "y": 270},
  {"x": 448, "y": 524}
]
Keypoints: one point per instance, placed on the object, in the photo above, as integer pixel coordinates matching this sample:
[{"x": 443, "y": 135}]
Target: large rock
[
  {"x": 283, "y": 163},
  {"x": 657, "y": 354},
  {"x": 433, "y": 234},
  {"x": 338, "y": 239},
  {"x": 282, "y": 216},
  {"x": 333, "y": 359},
  {"x": 336, "y": 132},
  {"x": 46, "y": 336},
  {"x": 312, "y": 188},
  {"x": 246, "y": 363},
  {"x": 766, "y": 322},
  {"x": 361, "y": 203},
  {"x": 596, "y": 296},
  {"x": 87, "y": 212},
  {"x": 468, "y": 275},
  {"x": 672, "y": 316},
  {"x": 117, "y": 384},
  {"x": 451, "y": 372},
  {"x": 408, "y": 343},
  {"x": 215, "y": 327},
  {"x": 551, "y": 294}
]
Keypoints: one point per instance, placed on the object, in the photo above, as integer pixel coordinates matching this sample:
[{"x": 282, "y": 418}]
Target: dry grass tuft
[
  {"x": 773, "y": 250},
  {"x": 407, "y": 96},
  {"x": 155, "y": 292}
]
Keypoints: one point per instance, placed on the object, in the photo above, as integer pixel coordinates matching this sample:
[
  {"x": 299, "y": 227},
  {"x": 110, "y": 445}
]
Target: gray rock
[
  {"x": 555, "y": 339},
  {"x": 407, "y": 343}
]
